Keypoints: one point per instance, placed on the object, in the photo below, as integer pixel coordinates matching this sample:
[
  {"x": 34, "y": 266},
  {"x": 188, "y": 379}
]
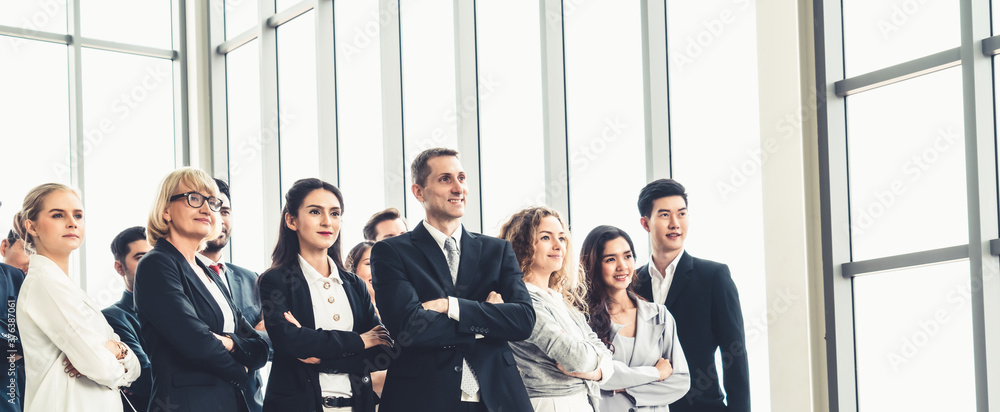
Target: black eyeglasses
[{"x": 196, "y": 200}]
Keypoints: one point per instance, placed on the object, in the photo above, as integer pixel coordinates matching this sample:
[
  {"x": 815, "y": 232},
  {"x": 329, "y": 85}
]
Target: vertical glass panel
[
  {"x": 43, "y": 15},
  {"x": 128, "y": 130},
  {"x": 241, "y": 15},
  {"x": 35, "y": 142},
  {"x": 297, "y": 100},
  {"x": 604, "y": 110},
  {"x": 510, "y": 87},
  {"x": 430, "y": 115},
  {"x": 246, "y": 169},
  {"x": 282, "y": 5},
  {"x": 881, "y": 33},
  {"x": 139, "y": 22},
  {"x": 725, "y": 198},
  {"x": 907, "y": 322},
  {"x": 359, "y": 115},
  {"x": 906, "y": 150}
]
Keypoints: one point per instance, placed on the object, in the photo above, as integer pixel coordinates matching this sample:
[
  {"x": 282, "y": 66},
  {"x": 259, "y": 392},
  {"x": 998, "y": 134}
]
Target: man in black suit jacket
[
  {"x": 128, "y": 247},
  {"x": 241, "y": 283},
  {"x": 432, "y": 285},
  {"x": 10, "y": 285},
  {"x": 701, "y": 296}
]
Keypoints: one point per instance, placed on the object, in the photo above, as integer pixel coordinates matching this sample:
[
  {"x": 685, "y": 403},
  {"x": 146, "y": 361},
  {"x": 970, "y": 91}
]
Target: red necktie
[{"x": 217, "y": 268}]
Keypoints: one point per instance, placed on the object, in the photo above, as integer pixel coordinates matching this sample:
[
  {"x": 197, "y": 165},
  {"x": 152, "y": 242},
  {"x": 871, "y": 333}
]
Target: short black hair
[
  {"x": 223, "y": 188},
  {"x": 11, "y": 237},
  {"x": 657, "y": 189},
  {"x": 119, "y": 246},
  {"x": 387, "y": 214}
]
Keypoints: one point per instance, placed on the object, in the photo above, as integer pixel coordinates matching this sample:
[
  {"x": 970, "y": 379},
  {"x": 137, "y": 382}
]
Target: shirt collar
[
  {"x": 312, "y": 275},
  {"x": 544, "y": 293},
  {"x": 653, "y": 271},
  {"x": 440, "y": 237},
  {"x": 208, "y": 262}
]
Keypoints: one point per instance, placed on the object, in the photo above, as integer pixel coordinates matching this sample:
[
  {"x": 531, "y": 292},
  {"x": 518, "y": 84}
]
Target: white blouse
[
  {"x": 57, "y": 320},
  {"x": 332, "y": 311}
]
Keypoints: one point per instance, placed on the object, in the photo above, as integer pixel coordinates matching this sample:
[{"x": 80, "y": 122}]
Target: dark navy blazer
[
  {"x": 121, "y": 317},
  {"x": 13, "y": 385}
]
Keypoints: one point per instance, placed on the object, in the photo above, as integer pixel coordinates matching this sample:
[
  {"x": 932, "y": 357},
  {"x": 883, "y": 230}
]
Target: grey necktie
[
  {"x": 470, "y": 385},
  {"x": 453, "y": 258}
]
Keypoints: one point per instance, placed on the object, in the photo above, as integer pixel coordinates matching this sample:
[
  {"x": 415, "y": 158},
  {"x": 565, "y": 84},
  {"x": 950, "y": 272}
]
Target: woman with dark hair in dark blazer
[
  {"x": 319, "y": 316},
  {"x": 202, "y": 350}
]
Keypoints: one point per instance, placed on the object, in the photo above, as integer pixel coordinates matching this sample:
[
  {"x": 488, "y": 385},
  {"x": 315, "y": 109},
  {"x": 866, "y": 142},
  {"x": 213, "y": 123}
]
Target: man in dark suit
[
  {"x": 128, "y": 247},
  {"x": 12, "y": 251},
  {"x": 432, "y": 285},
  {"x": 240, "y": 282},
  {"x": 701, "y": 296}
]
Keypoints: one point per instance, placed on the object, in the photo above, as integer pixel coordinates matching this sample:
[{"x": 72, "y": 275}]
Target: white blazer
[
  {"x": 655, "y": 338},
  {"x": 57, "y": 320}
]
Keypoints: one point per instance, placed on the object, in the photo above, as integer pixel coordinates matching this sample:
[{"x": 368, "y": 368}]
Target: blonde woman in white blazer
[{"x": 73, "y": 359}]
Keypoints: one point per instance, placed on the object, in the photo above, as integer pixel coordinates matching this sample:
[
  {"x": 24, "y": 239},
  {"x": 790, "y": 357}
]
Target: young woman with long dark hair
[
  {"x": 321, "y": 322},
  {"x": 650, "y": 369}
]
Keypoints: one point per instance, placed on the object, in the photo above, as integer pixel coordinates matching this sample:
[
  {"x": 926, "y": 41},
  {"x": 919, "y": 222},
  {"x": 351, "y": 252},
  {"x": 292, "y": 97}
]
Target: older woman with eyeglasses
[{"x": 203, "y": 351}]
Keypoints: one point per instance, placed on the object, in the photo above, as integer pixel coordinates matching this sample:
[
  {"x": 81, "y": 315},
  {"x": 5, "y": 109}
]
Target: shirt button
[
  {"x": 458, "y": 368},
  {"x": 330, "y": 299}
]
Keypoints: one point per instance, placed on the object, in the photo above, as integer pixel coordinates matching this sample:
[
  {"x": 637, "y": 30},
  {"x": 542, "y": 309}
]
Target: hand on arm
[
  {"x": 291, "y": 319},
  {"x": 494, "y": 298},
  {"x": 663, "y": 366},
  {"x": 439, "y": 305},
  {"x": 594, "y": 375}
]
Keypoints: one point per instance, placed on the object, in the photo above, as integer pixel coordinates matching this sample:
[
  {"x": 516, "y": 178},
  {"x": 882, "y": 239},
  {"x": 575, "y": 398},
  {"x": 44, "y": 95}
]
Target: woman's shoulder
[{"x": 654, "y": 313}]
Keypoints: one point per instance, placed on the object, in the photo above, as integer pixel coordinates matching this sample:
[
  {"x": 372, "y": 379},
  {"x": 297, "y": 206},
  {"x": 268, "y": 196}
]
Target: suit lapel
[
  {"x": 468, "y": 261},
  {"x": 301, "y": 298},
  {"x": 423, "y": 240},
  {"x": 644, "y": 286},
  {"x": 682, "y": 274}
]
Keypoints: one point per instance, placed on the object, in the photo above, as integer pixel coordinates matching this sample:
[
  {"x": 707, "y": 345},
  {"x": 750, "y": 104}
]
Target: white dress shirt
[
  {"x": 332, "y": 311},
  {"x": 228, "y": 320},
  {"x": 660, "y": 282},
  {"x": 58, "y": 320},
  {"x": 453, "y": 313},
  {"x": 209, "y": 262}
]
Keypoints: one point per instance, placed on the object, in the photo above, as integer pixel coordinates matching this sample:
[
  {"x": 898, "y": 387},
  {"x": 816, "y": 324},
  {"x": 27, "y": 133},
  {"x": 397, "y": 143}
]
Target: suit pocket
[{"x": 193, "y": 379}]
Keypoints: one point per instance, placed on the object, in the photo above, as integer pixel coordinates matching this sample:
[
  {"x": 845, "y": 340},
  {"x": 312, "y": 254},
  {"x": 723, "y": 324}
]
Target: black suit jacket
[
  {"x": 10, "y": 286},
  {"x": 426, "y": 375},
  {"x": 243, "y": 289},
  {"x": 121, "y": 317},
  {"x": 293, "y": 386},
  {"x": 706, "y": 306},
  {"x": 192, "y": 371}
]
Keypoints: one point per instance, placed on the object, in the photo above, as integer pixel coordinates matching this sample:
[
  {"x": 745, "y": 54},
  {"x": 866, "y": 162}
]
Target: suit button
[
  {"x": 458, "y": 369},
  {"x": 336, "y": 371},
  {"x": 365, "y": 379}
]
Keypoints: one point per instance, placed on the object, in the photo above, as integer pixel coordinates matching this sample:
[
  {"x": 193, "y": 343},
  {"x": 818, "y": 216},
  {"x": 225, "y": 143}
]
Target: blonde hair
[
  {"x": 520, "y": 231},
  {"x": 32, "y": 207},
  {"x": 196, "y": 179}
]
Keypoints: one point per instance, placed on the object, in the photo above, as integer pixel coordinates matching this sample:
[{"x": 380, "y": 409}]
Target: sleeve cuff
[{"x": 453, "y": 308}]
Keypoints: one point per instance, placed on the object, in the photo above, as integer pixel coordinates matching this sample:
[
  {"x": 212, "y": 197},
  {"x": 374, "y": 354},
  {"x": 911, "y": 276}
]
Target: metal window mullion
[
  {"x": 76, "y": 132},
  {"x": 270, "y": 126},
  {"x": 226, "y": 46},
  {"x": 217, "y": 108},
  {"x": 467, "y": 105},
  {"x": 182, "y": 136},
  {"x": 981, "y": 189},
  {"x": 326, "y": 93},
  {"x": 834, "y": 207},
  {"x": 991, "y": 46},
  {"x": 556, "y": 138},
  {"x": 392, "y": 106},
  {"x": 656, "y": 91},
  {"x": 141, "y": 50},
  {"x": 903, "y": 71},
  {"x": 905, "y": 261},
  {"x": 29, "y": 34},
  {"x": 292, "y": 12}
]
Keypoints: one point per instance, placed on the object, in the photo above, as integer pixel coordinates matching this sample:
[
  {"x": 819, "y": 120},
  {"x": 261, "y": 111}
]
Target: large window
[
  {"x": 912, "y": 207},
  {"x": 95, "y": 110}
]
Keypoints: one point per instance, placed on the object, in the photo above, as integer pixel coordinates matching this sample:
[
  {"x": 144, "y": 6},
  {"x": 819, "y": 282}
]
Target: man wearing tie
[
  {"x": 432, "y": 285},
  {"x": 240, "y": 282}
]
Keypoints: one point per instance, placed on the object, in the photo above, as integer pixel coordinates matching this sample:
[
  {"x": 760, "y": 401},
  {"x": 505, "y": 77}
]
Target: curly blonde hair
[{"x": 520, "y": 231}]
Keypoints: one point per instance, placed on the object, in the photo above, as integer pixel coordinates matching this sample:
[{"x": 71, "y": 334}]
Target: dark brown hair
[
  {"x": 590, "y": 261},
  {"x": 419, "y": 168}
]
